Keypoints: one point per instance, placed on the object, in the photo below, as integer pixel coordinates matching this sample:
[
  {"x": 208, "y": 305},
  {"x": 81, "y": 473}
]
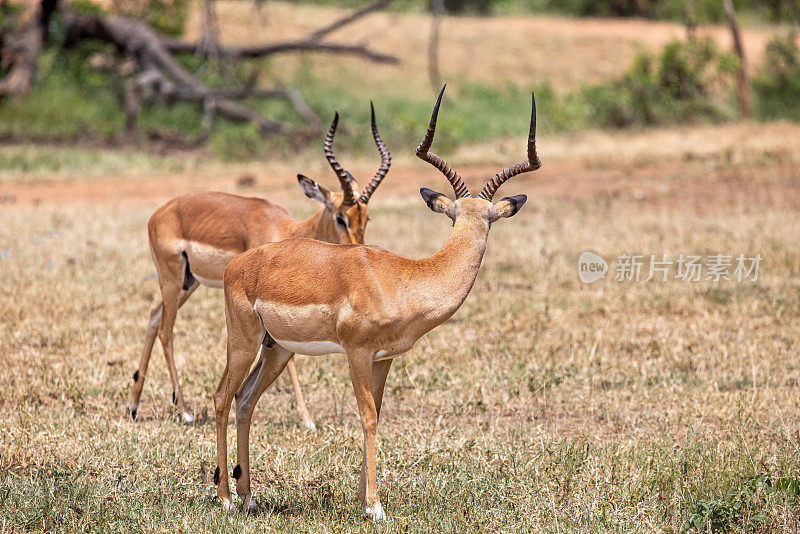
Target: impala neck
[
  {"x": 451, "y": 272},
  {"x": 311, "y": 227}
]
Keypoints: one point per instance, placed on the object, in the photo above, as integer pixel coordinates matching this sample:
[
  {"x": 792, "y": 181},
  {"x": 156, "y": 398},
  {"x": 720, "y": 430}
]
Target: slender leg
[
  {"x": 379, "y": 372},
  {"x": 269, "y": 367},
  {"x": 173, "y": 299},
  {"x": 361, "y": 369},
  {"x": 305, "y": 416},
  {"x": 243, "y": 329},
  {"x": 144, "y": 360}
]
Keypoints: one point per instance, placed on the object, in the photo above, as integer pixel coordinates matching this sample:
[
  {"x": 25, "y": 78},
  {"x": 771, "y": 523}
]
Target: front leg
[
  {"x": 379, "y": 371},
  {"x": 269, "y": 367},
  {"x": 361, "y": 370}
]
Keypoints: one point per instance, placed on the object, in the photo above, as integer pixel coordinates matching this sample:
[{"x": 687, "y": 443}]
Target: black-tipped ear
[
  {"x": 507, "y": 207},
  {"x": 429, "y": 196},
  {"x": 313, "y": 190},
  {"x": 436, "y": 201},
  {"x": 517, "y": 201}
]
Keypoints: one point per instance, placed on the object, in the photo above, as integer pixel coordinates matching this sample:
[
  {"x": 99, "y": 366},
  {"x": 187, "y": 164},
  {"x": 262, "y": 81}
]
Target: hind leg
[
  {"x": 243, "y": 338},
  {"x": 302, "y": 410},
  {"x": 144, "y": 360},
  {"x": 149, "y": 340},
  {"x": 177, "y": 283},
  {"x": 269, "y": 367}
]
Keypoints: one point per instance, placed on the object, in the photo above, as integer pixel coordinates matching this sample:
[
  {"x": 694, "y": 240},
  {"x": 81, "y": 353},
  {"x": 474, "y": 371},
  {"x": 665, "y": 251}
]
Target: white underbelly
[
  {"x": 311, "y": 348},
  {"x": 209, "y": 282},
  {"x": 207, "y": 263}
]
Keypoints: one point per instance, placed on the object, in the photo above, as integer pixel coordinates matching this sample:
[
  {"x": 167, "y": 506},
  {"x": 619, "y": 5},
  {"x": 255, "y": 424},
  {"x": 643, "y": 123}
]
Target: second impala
[{"x": 194, "y": 236}]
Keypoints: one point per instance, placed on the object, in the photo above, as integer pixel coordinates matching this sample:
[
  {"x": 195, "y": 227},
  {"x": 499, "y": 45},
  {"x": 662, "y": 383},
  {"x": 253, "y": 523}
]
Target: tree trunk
[
  {"x": 743, "y": 79},
  {"x": 437, "y": 8},
  {"x": 21, "y": 49}
]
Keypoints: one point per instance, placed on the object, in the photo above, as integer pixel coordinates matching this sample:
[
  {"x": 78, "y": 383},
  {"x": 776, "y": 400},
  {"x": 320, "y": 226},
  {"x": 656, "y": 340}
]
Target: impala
[
  {"x": 194, "y": 236},
  {"x": 306, "y": 296}
]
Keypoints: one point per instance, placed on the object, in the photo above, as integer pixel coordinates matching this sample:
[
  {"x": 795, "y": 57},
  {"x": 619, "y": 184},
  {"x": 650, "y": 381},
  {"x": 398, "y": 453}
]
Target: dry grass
[
  {"x": 543, "y": 405},
  {"x": 525, "y": 50}
]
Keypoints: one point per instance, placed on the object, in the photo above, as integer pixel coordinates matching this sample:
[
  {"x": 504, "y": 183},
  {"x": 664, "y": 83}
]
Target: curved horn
[
  {"x": 386, "y": 160},
  {"x": 422, "y": 153},
  {"x": 343, "y": 175},
  {"x": 533, "y": 163}
]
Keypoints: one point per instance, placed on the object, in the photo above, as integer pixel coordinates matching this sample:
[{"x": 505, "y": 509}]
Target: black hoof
[
  {"x": 237, "y": 471},
  {"x": 133, "y": 413}
]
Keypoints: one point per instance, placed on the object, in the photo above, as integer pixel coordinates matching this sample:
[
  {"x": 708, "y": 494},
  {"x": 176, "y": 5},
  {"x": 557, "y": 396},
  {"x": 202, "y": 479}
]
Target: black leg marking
[
  {"x": 188, "y": 279},
  {"x": 237, "y": 471},
  {"x": 136, "y": 376},
  {"x": 133, "y": 413},
  {"x": 216, "y": 477},
  {"x": 174, "y": 397}
]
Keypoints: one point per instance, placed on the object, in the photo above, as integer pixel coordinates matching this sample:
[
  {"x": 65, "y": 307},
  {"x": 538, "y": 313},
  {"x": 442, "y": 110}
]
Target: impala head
[
  {"x": 465, "y": 205},
  {"x": 345, "y": 216}
]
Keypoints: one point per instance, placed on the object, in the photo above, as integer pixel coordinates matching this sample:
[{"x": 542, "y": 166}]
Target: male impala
[
  {"x": 315, "y": 298},
  {"x": 194, "y": 236}
]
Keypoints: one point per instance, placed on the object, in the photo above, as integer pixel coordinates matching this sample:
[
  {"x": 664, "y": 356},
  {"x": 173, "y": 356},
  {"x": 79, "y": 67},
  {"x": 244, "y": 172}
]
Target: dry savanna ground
[{"x": 544, "y": 404}]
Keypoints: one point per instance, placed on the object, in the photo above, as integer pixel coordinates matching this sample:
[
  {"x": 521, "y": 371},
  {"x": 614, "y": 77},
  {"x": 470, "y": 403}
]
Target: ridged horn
[
  {"x": 386, "y": 160},
  {"x": 533, "y": 163},
  {"x": 343, "y": 175},
  {"x": 422, "y": 153}
]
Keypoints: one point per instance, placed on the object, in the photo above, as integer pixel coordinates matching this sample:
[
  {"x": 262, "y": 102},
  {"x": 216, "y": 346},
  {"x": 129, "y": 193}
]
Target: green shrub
[
  {"x": 87, "y": 7},
  {"x": 700, "y": 11},
  {"x": 480, "y": 7},
  {"x": 167, "y": 16},
  {"x": 68, "y": 101},
  {"x": 741, "y": 506},
  {"x": 776, "y": 87},
  {"x": 686, "y": 82}
]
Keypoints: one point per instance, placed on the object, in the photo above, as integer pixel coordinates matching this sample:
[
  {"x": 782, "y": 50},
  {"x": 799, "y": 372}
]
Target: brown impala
[
  {"x": 305, "y": 296},
  {"x": 194, "y": 236}
]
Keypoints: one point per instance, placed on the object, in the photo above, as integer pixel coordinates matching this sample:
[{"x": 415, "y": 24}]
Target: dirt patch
[{"x": 678, "y": 185}]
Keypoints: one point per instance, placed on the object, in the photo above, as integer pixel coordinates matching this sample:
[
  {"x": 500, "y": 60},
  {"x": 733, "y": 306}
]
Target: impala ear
[
  {"x": 436, "y": 201},
  {"x": 507, "y": 207},
  {"x": 314, "y": 191}
]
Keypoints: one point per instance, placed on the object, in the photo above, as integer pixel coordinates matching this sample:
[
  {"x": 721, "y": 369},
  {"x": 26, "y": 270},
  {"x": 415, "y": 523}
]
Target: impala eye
[{"x": 341, "y": 221}]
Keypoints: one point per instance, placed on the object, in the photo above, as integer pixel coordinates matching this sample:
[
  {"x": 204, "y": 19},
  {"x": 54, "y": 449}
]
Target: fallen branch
[
  {"x": 349, "y": 19},
  {"x": 160, "y": 74},
  {"x": 160, "y": 70},
  {"x": 256, "y": 51},
  {"x": 311, "y": 43}
]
